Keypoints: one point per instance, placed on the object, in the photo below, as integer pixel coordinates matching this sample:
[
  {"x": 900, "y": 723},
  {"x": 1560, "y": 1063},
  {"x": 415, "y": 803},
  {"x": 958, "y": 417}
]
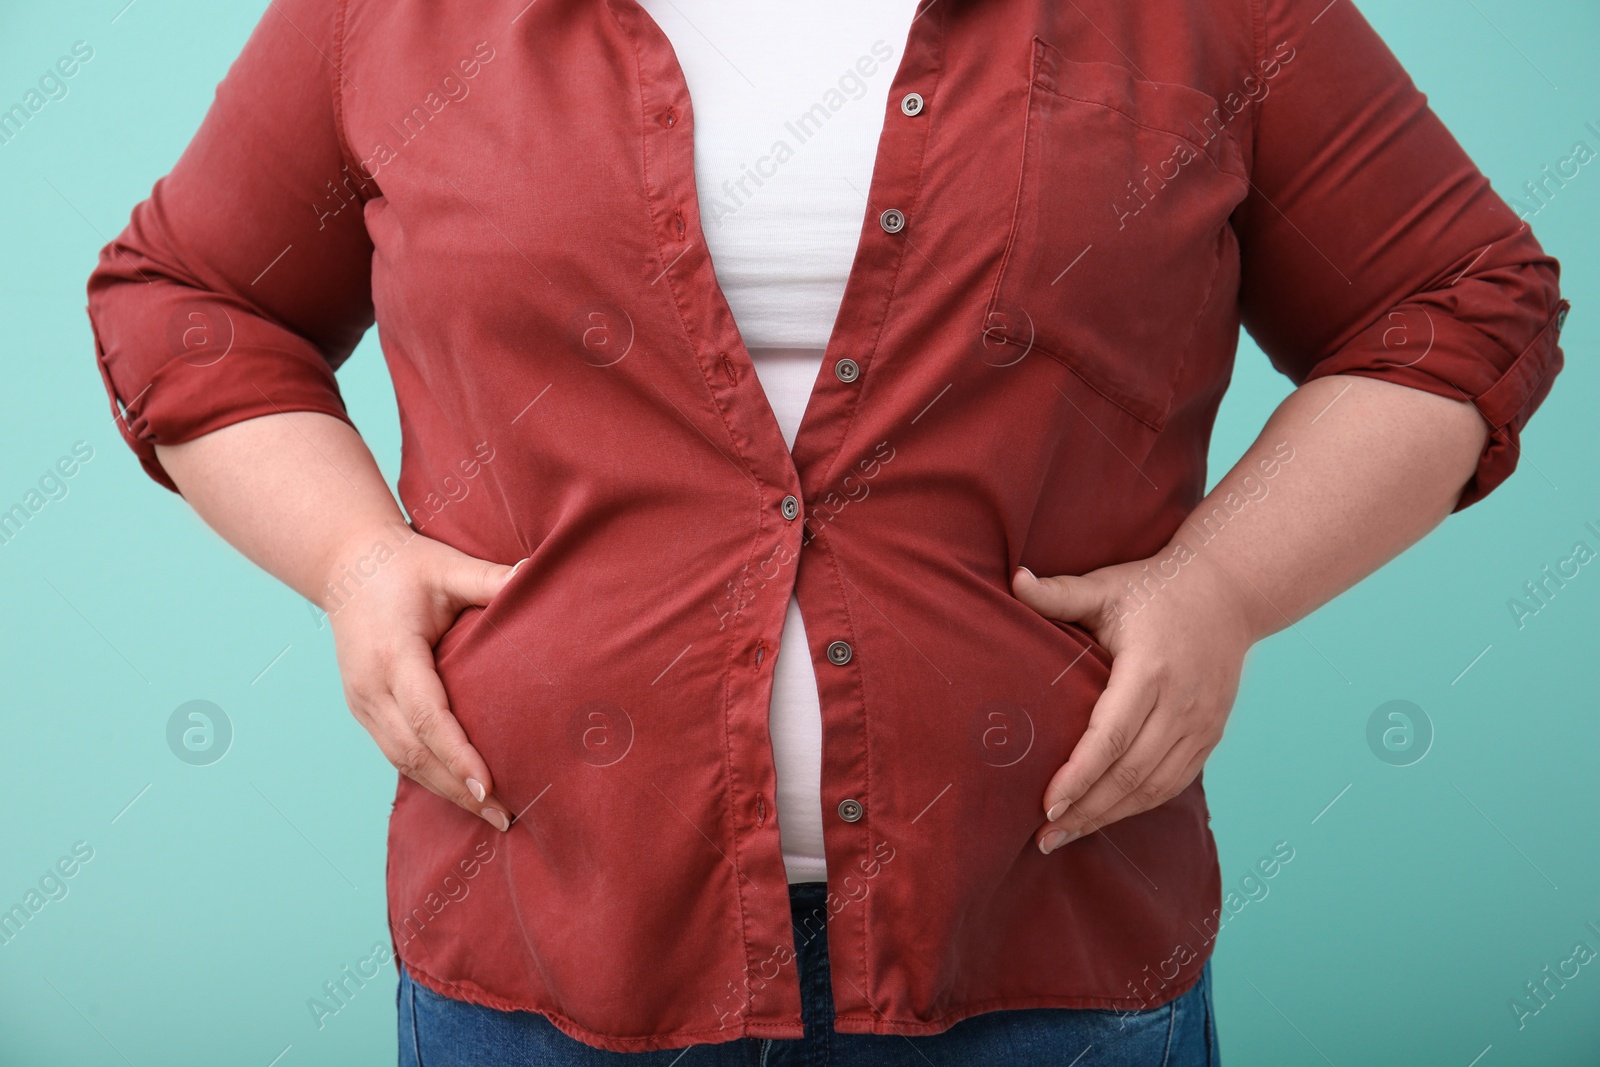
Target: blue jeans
[{"x": 438, "y": 1031}]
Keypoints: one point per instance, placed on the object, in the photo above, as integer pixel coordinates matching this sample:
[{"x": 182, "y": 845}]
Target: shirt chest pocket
[{"x": 1120, "y": 224}]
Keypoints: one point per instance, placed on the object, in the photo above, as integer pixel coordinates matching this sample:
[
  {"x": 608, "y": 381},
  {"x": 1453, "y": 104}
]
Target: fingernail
[
  {"x": 1052, "y": 841},
  {"x": 520, "y": 562},
  {"x": 497, "y": 819},
  {"x": 475, "y": 787},
  {"x": 1029, "y": 573},
  {"x": 1050, "y": 816}
]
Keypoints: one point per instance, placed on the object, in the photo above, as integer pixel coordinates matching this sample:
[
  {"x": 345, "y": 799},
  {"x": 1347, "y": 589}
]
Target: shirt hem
[
  {"x": 472, "y": 994},
  {"x": 847, "y": 1023},
  {"x": 884, "y": 1025}
]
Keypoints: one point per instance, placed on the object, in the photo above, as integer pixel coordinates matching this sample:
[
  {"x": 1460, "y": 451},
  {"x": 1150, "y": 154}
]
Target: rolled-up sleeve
[
  {"x": 243, "y": 281},
  {"x": 1370, "y": 243}
]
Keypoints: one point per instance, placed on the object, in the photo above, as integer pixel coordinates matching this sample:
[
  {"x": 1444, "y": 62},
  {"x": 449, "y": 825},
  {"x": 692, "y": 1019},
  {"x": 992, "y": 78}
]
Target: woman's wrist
[
  {"x": 1222, "y": 582},
  {"x": 366, "y": 549}
]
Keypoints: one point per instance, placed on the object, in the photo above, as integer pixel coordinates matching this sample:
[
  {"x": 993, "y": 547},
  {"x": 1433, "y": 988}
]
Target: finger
[
  {"x": 1175, "y": 774},
  {"x": 1171, "y": 777},
  {"x": 403, "y": 748},
  {"x": 1062, "y": 597},
  {"x": 424, "y": 708},
  {"x": 1129, "y": 696},
  {"x": 1159, "y": 780},
  {"x": 1129, "y": 775},
  {"x": 476, "y": 581}
]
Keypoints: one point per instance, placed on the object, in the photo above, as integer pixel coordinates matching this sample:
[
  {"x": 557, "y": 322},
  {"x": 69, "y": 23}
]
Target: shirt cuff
[
  {"x": 1461, "y": 362},
  {"x": 191, "y": 395}
]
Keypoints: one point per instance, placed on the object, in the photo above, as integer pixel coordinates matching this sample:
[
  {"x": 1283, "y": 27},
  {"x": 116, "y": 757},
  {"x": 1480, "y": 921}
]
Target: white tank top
[{"x": 788, "y": 106}]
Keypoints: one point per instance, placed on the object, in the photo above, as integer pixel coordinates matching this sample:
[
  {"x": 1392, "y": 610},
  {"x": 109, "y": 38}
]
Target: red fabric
[{"x": 1096, "y": 195}]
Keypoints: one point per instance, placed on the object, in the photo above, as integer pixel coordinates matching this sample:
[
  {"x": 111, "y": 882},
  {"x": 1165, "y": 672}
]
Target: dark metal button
[
  {"x": 847, "y": 370},
  {"x": 790, "y": 507},
  {"x": 851, "y": 810},
  {"x": 892, "y": 220},
  {"x": 911, "y": 104},
  {"x": 839, "y": 653}
]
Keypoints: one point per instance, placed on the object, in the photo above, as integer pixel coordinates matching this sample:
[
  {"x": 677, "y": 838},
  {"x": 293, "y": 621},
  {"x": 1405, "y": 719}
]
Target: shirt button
[
  {"x": 847, "y": 370},
  {"x": 790, "y": 507},
  {"x": 892, "y": 220},
  {"x": 911, "y": 104},
  {"x": 851, "y": 810},
  {"x": 839, "y": 653}
]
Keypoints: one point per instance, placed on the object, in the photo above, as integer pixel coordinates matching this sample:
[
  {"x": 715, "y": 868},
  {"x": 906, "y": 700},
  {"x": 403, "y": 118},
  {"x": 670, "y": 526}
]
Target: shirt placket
[
  {"x": 825, "y": 453},
  {"x": 760, "y": 994},
  {"x": 781, "y": 485}
]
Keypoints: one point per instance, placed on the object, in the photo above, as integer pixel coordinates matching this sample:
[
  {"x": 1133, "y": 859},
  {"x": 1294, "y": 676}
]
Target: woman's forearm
[
  {"x": 300, "y": 494},
  {"x": 1347, "y": 473},
  {"x": 297, "y": 493}
]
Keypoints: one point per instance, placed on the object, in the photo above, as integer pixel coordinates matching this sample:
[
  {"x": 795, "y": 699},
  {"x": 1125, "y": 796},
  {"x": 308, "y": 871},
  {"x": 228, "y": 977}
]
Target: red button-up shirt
[{"x": 1055, "y": 256}]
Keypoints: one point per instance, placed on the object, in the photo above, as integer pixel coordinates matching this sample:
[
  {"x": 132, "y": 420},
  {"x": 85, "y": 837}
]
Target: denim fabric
[{"x": 437, "y": 1031}]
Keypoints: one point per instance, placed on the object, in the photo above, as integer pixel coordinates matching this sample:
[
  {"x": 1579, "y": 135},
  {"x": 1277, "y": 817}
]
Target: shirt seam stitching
[
  {"x": 1171, "y": 399},
  {"x": 435, "y": 983},
  {"x": 1258, "y": 49},
  {"x": 732, "y": 647},
  {"x": 1144, "y": 124},
  {"x": 866, "y": 761},
  {"x": 894, "y": 281},
  {"x": 337, "y": 63},
  {"x": 1526, "y": 353},
  {"x": 971, "y": 1008}
]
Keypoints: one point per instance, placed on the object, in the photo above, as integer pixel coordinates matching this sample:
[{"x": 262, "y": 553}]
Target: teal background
[{"x": 220, "y": 898}]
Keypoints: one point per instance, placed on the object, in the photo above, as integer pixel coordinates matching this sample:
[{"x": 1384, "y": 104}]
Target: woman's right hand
[
  {"x": 384, "y": 630},
  {"x": 299, "y": 493}
]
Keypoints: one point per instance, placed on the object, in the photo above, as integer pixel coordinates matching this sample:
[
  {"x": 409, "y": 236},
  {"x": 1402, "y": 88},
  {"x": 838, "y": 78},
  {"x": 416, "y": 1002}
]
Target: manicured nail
[
  {"x": 497, "y": 819},
  {"x": 1052, "y": 841},
  {"x": 1050, "y": 816},
  {"x": 475, "y": 787}
]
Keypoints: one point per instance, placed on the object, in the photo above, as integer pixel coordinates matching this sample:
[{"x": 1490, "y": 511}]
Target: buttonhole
[
  {"x": 678, "y": 217},
  {"x": 761, "y": 652},
  {"x": 727, "y": 368},
  {"x": 761, "y": 811}
]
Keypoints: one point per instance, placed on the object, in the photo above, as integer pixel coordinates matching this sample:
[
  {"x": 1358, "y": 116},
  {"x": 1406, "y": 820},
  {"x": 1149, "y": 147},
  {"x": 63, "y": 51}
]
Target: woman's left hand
[{"x": 1177, "y": 645}]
